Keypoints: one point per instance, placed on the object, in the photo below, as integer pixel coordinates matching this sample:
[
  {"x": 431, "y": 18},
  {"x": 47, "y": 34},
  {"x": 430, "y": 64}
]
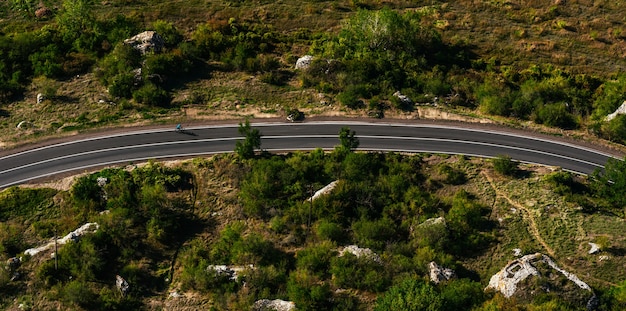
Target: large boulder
[
  {"x": 147, "y": 41},
  {"x": 534, "y": 274},
  {"x": 440, "y": 274},
  {"x": 304, "y": 62}
]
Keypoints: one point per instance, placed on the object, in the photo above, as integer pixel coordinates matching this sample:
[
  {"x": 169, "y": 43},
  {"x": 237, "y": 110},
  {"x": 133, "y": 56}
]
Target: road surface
[{"x": 137, "y": 146}]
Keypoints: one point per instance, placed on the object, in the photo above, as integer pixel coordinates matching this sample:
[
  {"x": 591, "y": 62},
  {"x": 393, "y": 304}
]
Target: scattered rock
[
  {"x": 24, "y": 125},
  {"x": 326, "y": 190},
  {"x": 620, "y": 110},
  {"x": 43, "y": 12},
  {"x": 13, "y": 263},
  {"x": 174, "y": 295},
  {"x": 122, "y": 285},
  {"x": 40, "y": 98},
  {"x": 304, "y": 62},
  {"x": 595, "y": 248},
  {"x": 439, "y": 274},
  {"x": 405, "y": 100},
  {"x": 517, "y": 252},
  {"x": 89, "y": 227},
  {"x": 603, "y": 258},
  {"x": 361, "y": 252},
  {"x": 276, "y": 304},
  {"x": 231, "y": 271},
  {"x": 147, "y": 41},
  {"x": 433, "y": 221}
]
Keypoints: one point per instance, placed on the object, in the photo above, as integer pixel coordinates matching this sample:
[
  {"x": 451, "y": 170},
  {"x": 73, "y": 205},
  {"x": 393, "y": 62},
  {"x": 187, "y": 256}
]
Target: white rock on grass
[
  {"x": 326, "y": 190},
  {"x": 439, "y": 274},
  {"x": 304, "y": 62},
  {"x": 620, "y": 110},
  {"x": 594, "y": 248},
  {"x": 89, "y": 227},
  {"x": 276, "y": 305},
  {"x": 361, "y": 252}
]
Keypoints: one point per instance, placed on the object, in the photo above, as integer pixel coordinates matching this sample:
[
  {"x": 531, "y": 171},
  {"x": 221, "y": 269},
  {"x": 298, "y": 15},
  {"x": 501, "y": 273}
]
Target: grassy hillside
[{"x": 162, "y": 227}]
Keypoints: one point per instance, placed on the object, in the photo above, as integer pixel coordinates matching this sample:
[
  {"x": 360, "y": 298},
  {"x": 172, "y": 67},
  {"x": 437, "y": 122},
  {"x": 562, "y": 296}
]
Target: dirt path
[
  {"x": 534, "y": 230},
  {"x": 526, "y": 214}
]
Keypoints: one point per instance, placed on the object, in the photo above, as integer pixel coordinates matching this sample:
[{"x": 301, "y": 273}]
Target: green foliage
[
  {"x": 348, "y": 140},
  {"x": 374, "y": 234},
  {"x": 153, "y": 95},
  {"x": 307, "y": 292},
  {"x": 410, "y": 294},
  {"x": 23, "y": 202},
  {"x": 252, "y": 140},
  {"x": 168, "y": 32},
  {"x": 614, "y": 130},
  {"x": 503, "y": 164},
  {"x": 556, "y": 115},
  {"x": 77, "y": 293},
  {"x": 465, "y": 220},
  {"x": 316, "y": 258},
  {"x": 610, "y": 184},
  {"x": 328, "y": 230},
  {"x": 451, "y": 175},
  {"x": 362, "y": 273}
]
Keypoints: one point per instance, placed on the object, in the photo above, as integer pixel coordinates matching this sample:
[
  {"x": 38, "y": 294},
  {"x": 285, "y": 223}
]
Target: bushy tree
[
  {"x": 252, "y": 140},
  {"x": 610, "y": 183},
  {"x": 503, "y": 164},
  {"x": 410, "y": 294}
]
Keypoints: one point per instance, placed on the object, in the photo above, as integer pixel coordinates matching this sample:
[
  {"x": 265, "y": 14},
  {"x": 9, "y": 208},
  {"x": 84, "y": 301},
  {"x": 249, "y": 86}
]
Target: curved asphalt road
[{"x": 137, "y": 146}]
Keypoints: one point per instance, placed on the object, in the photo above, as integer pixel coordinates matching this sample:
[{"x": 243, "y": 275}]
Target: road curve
[{"x": 136, "y": 146}]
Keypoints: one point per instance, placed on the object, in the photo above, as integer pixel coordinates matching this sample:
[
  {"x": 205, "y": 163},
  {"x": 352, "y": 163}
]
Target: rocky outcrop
[
  {"x": 326, "y": 190},
  {"x": 620, "y": 110},
  {"x": 275, "y": 305},
  {"x": 595, "y": 248},
  {"x": 146, "y": 42},
  {"x": 304, "y": 62},
  {"x": 89, "y": 227},
  {"x": 513, "y": 275},
  {"x": 440, "y": 274},
  {"x": 361, "y": 252}
]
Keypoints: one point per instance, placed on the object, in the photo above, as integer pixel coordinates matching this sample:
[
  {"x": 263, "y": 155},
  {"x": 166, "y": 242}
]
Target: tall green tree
[
  {"x": 348, "y": 139},
  {"x": 252, "y": 140}
]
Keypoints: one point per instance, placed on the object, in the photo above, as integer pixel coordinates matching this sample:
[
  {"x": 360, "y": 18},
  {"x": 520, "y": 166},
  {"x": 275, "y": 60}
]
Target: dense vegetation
[
  {"x": 375, "y": 51},
  {"x": 162, "y": 228}
]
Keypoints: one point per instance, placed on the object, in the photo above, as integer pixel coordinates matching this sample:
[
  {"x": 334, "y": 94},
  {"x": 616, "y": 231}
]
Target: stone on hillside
[
  {"x": 304, "y": 62},
  {"x": 620, "y": 110},
  {"x": 232, "y": 272},
  {"x": 405, "y": 100},
  {"x": 24, "y": 125},
  {"x": 73, "y": 236},
  {"x": 595, "y": 248},
  {"x": 122, "y": 285},
  {"x": 439, "y": 274},
  {"x": 326, "y": 190},
  {"x": 361, "y": 252},
  {"x": 275, "y": 305},
  {"x": 13, "y": 263},
  {"x": 147, "y": 41},
  {"x": 43, "y": 12},
  {"x": 510, "y": 280},
  {"x": 40, "y": 98}
]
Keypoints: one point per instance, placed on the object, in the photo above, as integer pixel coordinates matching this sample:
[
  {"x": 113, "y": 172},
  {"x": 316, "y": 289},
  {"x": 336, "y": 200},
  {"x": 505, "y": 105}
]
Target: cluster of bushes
[{"x": 143, "y": 218}]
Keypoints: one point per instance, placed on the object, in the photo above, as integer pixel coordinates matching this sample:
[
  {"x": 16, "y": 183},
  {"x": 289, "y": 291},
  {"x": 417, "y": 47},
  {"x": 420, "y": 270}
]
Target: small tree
[
  {"x": 245, "y": 148},
  {"x": 348, "y": 139},
  {"x": 610, "y": 183},
  {"x": 504, "y": 165}
]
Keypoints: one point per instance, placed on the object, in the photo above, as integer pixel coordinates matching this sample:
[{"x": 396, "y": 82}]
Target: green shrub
[
  {"x": 328, "y": 230},
  {"x": 410, "y": 294},
  {"x": 168, "y": 32},
  {"x": 503, "y": 164},
  {"x": 152, "y": 95},
  {"x": 556, "y": 115},
  {"x": 361, "y": 273},
  {"x": 316, "y": 258},
  {"x": 451, "y": 175},
  {"x": 122, "y": 85}
]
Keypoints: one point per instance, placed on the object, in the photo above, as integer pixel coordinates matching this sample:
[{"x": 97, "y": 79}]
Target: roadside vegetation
[
  {"x": 165, "y": 229},
  {"x": 551, "y": 65}
]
